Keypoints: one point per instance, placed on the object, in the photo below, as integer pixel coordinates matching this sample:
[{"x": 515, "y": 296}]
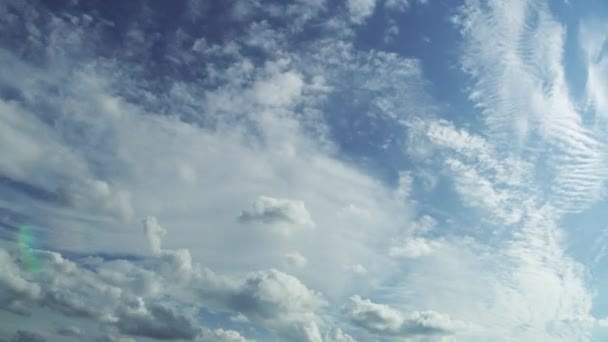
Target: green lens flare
[{"x": 26, "y": 243}]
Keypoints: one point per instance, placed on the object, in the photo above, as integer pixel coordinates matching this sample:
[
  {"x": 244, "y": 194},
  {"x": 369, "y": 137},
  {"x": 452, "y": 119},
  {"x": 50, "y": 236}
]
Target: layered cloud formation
[{"x": 302, "y": 171}]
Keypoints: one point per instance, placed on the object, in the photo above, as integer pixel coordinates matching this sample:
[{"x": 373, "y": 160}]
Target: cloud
[
  {"x": 274, "y": 296},
  {"x": 383, "y": 320},
  {"x": 280, "y": 89},
  {"x": 337, "y": 335},
  {"x": 69, "y": 331},
  {"x": 533, "y": 106},
  {"x": 414, "y": 248},
  {"x": 27, "y": 336},
  {"x": 402, "y": 5},
  {"x": 357, "y": 269},
  {"x": 67, "y": 303},
  {"x": 296, "y": 260},
  {"x": 269, "y": 210},
  {"x": 125, "y": 295},
  {"x": 156, "y": 321},
  {"x": 14, "y": 287},
  {"x": 221, "y": 335},
  {"x": 87, "y": 292},
  {"x": 360, "y": 9},
  {"x": 155, "y": 233},
  {"x": 339, "y": 134},
  {"x": 270, "y": 298}
]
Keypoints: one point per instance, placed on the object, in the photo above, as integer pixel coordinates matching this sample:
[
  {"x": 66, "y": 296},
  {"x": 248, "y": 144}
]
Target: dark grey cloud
[
  {"x": 27, "y": 336},
  {"x": 70, "y": 331}
]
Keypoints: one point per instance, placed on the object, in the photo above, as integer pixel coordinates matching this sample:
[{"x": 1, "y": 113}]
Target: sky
[{"x": 306, "y": 170}]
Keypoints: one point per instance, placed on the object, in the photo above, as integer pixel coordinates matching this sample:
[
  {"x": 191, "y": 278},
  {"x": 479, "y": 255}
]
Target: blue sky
[{"x": 354, "y": 170}]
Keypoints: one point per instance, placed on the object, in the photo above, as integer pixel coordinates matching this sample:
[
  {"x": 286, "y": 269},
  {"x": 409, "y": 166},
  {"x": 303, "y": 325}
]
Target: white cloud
[
  {"x": 277, "y": 211},
  {"x": 414, "y": 248},
  {"x": 337, "y": 335},
  {"x": 360, "y": 9},
  {"x": 221, "y": 335},
  {"x": 383, "y": 320},
  {"x": 280, "y": 89},
  {"x": 155, "y": 321},
  {"x": 14, "y": 287},
  {"x": 296, "y": 260},
  {"x": 105, "y": 142},
  {"x": 155, "y": 233},
  {"x": 397, "y": 4},
  {"x": 533, "y": 106},
  {"x": 356, "y": 269},
  {"x": 593, "y": 42}
]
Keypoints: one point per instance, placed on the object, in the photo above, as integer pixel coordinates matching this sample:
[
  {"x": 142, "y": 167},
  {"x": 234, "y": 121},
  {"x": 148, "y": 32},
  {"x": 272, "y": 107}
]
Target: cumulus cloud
[
  {"x": 14, "y": 287},
  {"x": 88, "y": 291},
  {"x": 275, "y": 296},
  {"x": 383, "y": 320},
  {"x": 155, "y": 233},
  {"x": 156, "y": 321},
  {"x": 270, "y": 298},
  {"x": 272, "y": 211},
  {"x": 221, "y": 335},
  {"x": 123, "y": 295}
]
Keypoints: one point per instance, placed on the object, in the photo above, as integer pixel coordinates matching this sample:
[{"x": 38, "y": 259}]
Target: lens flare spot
[{"x": 26, "y": 242}]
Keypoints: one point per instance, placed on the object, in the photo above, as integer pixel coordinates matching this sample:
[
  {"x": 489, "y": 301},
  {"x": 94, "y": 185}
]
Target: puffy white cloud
[
  {"x": 274, "y": 295},
  {"x": 89, "y": 292},
  {"x": 155, "y": 233},
  {"x": 383, "y": 320},
  {"x": 270, "y": 298},
  {"x": 374, "y": 317},
  {"x": 277, "y": 211},
  {"x": 155, "y": 321},
  {"x": 221, "y": 335},
  {"x": 14, "y": 287}
]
